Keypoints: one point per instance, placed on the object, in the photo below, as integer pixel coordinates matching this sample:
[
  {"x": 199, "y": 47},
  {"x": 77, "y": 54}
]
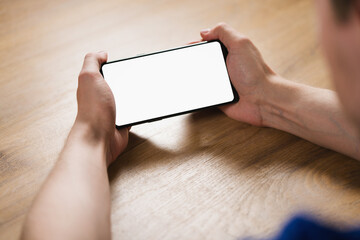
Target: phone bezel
[{"x": 225, "y": 53}]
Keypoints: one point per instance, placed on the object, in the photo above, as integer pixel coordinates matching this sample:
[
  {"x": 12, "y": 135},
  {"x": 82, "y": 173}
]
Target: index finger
[{"x": 223, "y": 32}]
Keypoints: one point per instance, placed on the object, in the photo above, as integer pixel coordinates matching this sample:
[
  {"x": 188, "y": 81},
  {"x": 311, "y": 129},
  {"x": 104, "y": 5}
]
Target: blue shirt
[{"x": 303, "y": 228}]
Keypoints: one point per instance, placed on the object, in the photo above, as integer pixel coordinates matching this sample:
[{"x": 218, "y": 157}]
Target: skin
[
  {"x": 74, "y": 202},
  {"x": 268, "y": 100},
  {"x": 340, "y": 43}
]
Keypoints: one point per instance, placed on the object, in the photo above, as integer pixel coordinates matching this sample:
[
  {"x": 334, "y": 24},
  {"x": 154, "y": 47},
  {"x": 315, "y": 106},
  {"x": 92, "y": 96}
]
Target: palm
[
  {"x": 247, "y": 71},
  {"x": 120, "y": 138},
  {"x": 118, "y": 143}
]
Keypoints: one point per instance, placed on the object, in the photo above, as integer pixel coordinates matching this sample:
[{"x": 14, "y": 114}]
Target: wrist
[
  {"x": 278, "y": 102},
  {"x": 86, "y": 133},
  {"x": 85, "y": 146}
]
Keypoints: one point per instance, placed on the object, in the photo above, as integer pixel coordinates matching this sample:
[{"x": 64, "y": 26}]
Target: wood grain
[{"x": 197, "y": 176}]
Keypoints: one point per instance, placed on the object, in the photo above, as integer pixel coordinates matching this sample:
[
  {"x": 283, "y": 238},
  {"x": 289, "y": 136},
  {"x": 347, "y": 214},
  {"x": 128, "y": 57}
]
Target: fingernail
[
  {"x": 102, "y": 52},
  {"x": 205, "y": 31}
]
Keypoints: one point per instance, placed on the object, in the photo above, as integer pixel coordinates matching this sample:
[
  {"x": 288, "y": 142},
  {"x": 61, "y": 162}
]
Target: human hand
[
  {"x": 248, "y": 72},
  {"x": 96, "y": 107}
]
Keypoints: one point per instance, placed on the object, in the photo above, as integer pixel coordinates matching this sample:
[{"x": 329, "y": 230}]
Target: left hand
[{"x": 96, "y": 107}]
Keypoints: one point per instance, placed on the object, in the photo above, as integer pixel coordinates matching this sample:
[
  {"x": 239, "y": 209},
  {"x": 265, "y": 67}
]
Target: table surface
[{"x": 196, "y": 176}]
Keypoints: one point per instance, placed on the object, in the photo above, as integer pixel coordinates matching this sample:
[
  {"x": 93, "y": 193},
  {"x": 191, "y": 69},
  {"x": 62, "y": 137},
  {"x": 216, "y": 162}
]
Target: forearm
[
  {"x": 310, "y": 113},
  {"x": 74, "y": 202}
]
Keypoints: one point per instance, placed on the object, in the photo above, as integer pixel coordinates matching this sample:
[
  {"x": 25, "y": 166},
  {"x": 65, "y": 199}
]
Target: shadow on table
[{"x": 243, "y": 147}]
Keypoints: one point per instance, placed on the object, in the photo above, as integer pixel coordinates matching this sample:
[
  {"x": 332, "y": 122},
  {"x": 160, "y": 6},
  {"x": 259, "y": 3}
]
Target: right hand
[{"x": 248, "y": 73}]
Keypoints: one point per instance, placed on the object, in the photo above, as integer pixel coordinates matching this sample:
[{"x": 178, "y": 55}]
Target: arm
[
  {"x": 74, "y": 202},
  {"x": 311, "y": 113},
  {"x": 266, "y": 99}
]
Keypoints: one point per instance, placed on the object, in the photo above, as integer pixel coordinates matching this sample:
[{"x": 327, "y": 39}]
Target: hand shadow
[
  {"x": 130, "y": 159},
  {"x": 242, "y": 147},
  {"x": 250, "y": 148}
]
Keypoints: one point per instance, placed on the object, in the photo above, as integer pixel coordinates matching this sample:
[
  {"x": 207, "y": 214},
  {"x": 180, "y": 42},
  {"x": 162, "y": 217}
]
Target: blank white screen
[{"x": 168, "y": 83}]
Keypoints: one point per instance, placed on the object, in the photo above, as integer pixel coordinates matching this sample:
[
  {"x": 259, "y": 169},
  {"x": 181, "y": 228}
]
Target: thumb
[
  {"x": 223, "y": 32},
  {"x": 93, "y": 61}
]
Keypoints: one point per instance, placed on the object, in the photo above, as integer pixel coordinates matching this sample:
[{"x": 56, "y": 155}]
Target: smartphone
[{"x": 163, "y": 84}]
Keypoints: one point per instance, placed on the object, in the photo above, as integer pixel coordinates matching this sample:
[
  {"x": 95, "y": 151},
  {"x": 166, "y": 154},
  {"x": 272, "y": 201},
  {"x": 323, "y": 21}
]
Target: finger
[
  {"x": 93, "y": 61},
  {"x": 123, "y": 131},
  {"x": 194, "y": 41},
  {"x": 223, "y": 32}
]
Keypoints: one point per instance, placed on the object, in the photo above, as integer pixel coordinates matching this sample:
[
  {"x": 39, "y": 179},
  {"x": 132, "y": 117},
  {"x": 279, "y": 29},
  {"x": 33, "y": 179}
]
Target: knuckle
[
  {"x": 221, "y": 25},
  {"x": 243, "y": 40},
  {"x": 88, "y": 74},
  {"x": 90, "y": 55}
]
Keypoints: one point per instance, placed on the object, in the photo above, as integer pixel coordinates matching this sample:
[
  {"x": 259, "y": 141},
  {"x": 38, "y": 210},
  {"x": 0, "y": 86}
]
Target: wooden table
[{"x": 197, "y": 176}]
